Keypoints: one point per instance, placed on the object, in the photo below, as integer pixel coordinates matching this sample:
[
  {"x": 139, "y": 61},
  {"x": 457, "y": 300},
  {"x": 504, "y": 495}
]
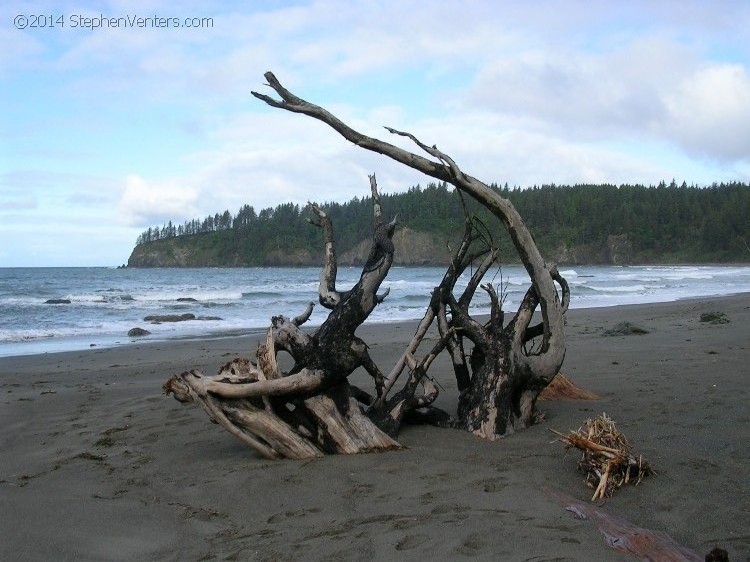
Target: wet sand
[{"x": 98, "y": 465}]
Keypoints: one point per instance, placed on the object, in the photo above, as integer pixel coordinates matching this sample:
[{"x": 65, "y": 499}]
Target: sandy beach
[{"x": 98, "y": 465}]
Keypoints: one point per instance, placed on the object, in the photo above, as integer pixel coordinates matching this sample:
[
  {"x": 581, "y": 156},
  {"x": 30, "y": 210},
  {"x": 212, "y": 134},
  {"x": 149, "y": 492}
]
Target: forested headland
[{"x": 591, "y": 224}]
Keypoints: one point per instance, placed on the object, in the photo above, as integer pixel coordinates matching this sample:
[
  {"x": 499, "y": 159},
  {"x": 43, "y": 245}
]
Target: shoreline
[
  {"x": 98, "y": 465},
  {"x": 84, "y": 343},
  {"x": 105, "y": 305}
]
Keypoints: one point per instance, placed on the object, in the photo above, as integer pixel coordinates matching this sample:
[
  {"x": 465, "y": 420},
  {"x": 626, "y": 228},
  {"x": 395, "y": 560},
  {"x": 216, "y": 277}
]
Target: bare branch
[
  {"x": 565, "y": 288},
  {"x": 496, "y": 309},
  {"x": 305, "y": 316},
  {"x": 290, "y": 102},
  {"x": 327, "y": 293},
  {"x": 476, "y": 279},
  {"x": 518, "y": 326},
  {"x": 191, "y": 384},
  {"x": 398, "y": 368},
  {"x": 301, "y": 383},
  {"x": 455, "y": 171},
  {"x": 378, "y": 212},
  {"x": 469, "y": 327},
  {"x": 455, "y": 349},
  {"x": 288, "y": 336},
  {"x": 369, "y": 365},
  {"x": 382, "y": 296},
  {"x": 447, "y": 170}
]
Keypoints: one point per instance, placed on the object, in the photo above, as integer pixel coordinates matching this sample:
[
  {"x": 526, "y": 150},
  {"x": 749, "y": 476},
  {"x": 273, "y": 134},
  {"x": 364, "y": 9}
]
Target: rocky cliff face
[
  {"x": 619, "y": 249},
  {"x": 412, "y": 248},
  {"x": 616, "y": 250},
  {"x": 295, "y": 258},
  {"x": 159, "y": 255}
]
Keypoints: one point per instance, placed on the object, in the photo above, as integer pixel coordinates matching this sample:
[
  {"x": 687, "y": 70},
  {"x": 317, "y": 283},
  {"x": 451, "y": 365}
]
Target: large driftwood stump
[{"x": 313, "y": 410}]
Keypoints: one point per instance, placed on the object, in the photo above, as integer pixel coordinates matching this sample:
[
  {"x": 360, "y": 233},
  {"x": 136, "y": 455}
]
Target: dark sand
[{"x": 98, "y": 465}]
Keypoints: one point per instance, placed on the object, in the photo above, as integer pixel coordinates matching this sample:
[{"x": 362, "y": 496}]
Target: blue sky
[{"x": 105, "y": 132}]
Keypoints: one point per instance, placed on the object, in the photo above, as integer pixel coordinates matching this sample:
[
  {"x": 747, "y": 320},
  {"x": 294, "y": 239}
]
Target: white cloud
[
  {"x": 588, "y": 95},
  {"x": 549, "y": 92},
  {"x": 651, "y": 89},
  {"x": 709, "y": 112},
  {"x": 484, "y": 145},
  {"x": 150, "y": 202}
]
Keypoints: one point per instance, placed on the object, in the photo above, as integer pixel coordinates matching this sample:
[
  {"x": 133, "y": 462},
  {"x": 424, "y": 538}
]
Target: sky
[{"x": 116, "y": 116}]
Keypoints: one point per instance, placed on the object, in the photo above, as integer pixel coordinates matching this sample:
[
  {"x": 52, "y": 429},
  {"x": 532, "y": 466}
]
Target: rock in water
[{"x": 157, "y": 318}]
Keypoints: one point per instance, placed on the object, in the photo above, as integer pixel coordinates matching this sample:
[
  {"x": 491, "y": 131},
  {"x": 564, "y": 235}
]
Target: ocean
[{"x": 107, "y": 302}]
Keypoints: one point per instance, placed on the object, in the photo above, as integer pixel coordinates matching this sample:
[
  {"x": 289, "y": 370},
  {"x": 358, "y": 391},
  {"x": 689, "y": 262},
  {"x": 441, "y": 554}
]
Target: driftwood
[
  {"x": 607, "y": 458},
  {"x": 624, "y": 536},
  {"x": 561, "y": 387},
  {"x": 310, "y": 410},
  {"x": 500, "y": 365}
]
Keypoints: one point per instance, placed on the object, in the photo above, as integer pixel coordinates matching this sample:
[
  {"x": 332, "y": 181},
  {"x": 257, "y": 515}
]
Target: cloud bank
[{"x": 121, "y": 129}]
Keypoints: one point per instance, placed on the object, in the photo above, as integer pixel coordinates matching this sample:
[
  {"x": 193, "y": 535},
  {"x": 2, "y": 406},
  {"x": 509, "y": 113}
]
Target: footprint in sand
[
  {"x": 472, "y": 545},
  {"x": 410, "y": 542},
  {"x": 427, "y": 498},
  {"x": 283, "y": 516},
  {"x": 491, "y": 485}
]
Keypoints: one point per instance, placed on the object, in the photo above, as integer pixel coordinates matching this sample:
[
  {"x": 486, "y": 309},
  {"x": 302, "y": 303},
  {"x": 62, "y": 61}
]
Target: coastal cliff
[
  {"x": 582, "y": 224},
  {"x": 617, "y": 249},
  {"x": 413, "y": 248}
]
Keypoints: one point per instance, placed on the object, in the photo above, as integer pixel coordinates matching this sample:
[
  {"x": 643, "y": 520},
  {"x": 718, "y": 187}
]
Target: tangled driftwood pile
[{"x": 607, "y": 458}]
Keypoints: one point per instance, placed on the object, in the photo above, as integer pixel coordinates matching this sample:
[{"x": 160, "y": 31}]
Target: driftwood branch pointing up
[
  {"x": 504, "y": 365},
  {"x": 328, "y": 295},
  {"x": 447, "y": 170}
]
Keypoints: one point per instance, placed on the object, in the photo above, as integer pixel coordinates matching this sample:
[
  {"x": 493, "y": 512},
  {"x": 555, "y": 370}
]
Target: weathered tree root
[
  {"x": 295, "y": 426},
  {"x": 312, "y": 409},
  {"x": 508, "y": 370}
]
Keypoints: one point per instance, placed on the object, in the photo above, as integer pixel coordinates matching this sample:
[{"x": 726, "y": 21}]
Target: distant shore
[{"x": 98, "y": 465}]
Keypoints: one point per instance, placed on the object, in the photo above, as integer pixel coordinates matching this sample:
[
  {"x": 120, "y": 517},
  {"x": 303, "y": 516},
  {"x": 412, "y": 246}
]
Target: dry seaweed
[
  {"x": 561, "y": 387},
  {"x": 607, "y": 458},
  {"x": 625, "y": 329},
  {"x": 714, "y": 318}
]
